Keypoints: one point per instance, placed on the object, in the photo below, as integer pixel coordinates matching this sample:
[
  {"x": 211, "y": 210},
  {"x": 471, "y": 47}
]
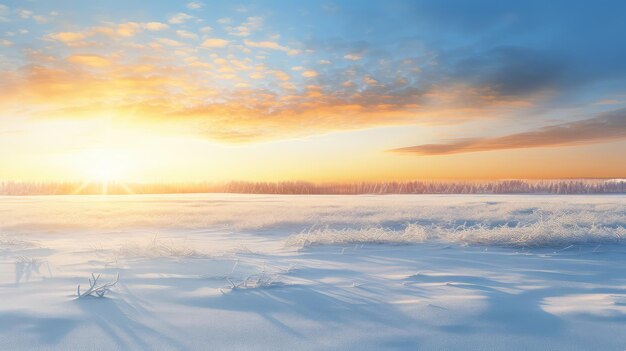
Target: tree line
[{"x": 575, "y": 186}]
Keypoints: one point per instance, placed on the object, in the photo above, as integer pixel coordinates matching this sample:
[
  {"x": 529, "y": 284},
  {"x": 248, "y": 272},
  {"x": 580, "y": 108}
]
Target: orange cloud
[
  {"x": 67, "y": 37},
  {"x": 310, "y": 74},
  {"x": 157, "y": 91},
  {"x": 214, "y": 43},
  {"x": 128, "y": 29},
  {"x": 89, "y": 60},
  {"x": 110, "y": 30}
]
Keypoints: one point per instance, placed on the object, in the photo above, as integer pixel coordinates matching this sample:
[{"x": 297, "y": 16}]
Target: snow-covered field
[{"x": 244, "y": 272}]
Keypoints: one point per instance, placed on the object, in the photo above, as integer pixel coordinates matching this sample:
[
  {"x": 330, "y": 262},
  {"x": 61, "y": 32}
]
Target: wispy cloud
[
  {"x": 605, "y": 127},
  {"x": 4, "y": 13},
  {"x": 155, "y": 26},
  {"x": 24, "y": 14},
  {"x": 179, "y": 18},
  {"x": 252, "y": 24},
  {"x": 353, "y": 57},
  {"x": 186, "y": 34},
  {"x": 195, "y": 5},
  {"x": 272, "y": 45}
]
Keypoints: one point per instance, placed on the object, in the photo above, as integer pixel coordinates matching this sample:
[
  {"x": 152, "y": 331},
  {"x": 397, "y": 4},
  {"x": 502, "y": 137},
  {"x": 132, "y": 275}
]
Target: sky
[{"x": 324, "y": 91}]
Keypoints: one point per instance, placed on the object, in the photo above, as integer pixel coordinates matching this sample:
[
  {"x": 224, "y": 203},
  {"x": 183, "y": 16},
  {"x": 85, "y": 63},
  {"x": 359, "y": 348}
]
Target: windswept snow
[
  {"x": 556, "y": 230},
  {"x": 398, "y": 272}
]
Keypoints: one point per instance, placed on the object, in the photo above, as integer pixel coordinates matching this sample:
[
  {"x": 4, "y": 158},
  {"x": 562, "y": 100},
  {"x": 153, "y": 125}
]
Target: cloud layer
[{"x": 239, "y": 74}]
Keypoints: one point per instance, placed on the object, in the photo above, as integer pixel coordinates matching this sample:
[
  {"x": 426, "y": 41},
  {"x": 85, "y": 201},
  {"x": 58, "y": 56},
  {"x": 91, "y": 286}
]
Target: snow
[{"x": 260, "y": 272}]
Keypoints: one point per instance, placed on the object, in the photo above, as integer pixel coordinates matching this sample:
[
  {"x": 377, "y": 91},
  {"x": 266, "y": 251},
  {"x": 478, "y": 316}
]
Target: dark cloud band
[{"x": 605, "y": 127}]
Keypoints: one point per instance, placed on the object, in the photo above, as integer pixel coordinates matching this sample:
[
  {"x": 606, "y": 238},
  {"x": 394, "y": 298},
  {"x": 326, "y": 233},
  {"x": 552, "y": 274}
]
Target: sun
[
  {"x": 107, "y": 170},
  {"x": 104, "y": 168}
]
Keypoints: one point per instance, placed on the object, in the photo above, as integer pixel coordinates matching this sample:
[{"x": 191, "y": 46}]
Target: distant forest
[{"x": 586, "y": 186}]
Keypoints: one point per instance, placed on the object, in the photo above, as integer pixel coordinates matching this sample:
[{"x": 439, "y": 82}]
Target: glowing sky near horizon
[{"x": 320, "y": 91}]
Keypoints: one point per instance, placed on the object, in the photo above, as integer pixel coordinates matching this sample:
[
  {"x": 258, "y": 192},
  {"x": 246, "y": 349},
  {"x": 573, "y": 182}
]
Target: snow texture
[{"x": 261, "y": 272}]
